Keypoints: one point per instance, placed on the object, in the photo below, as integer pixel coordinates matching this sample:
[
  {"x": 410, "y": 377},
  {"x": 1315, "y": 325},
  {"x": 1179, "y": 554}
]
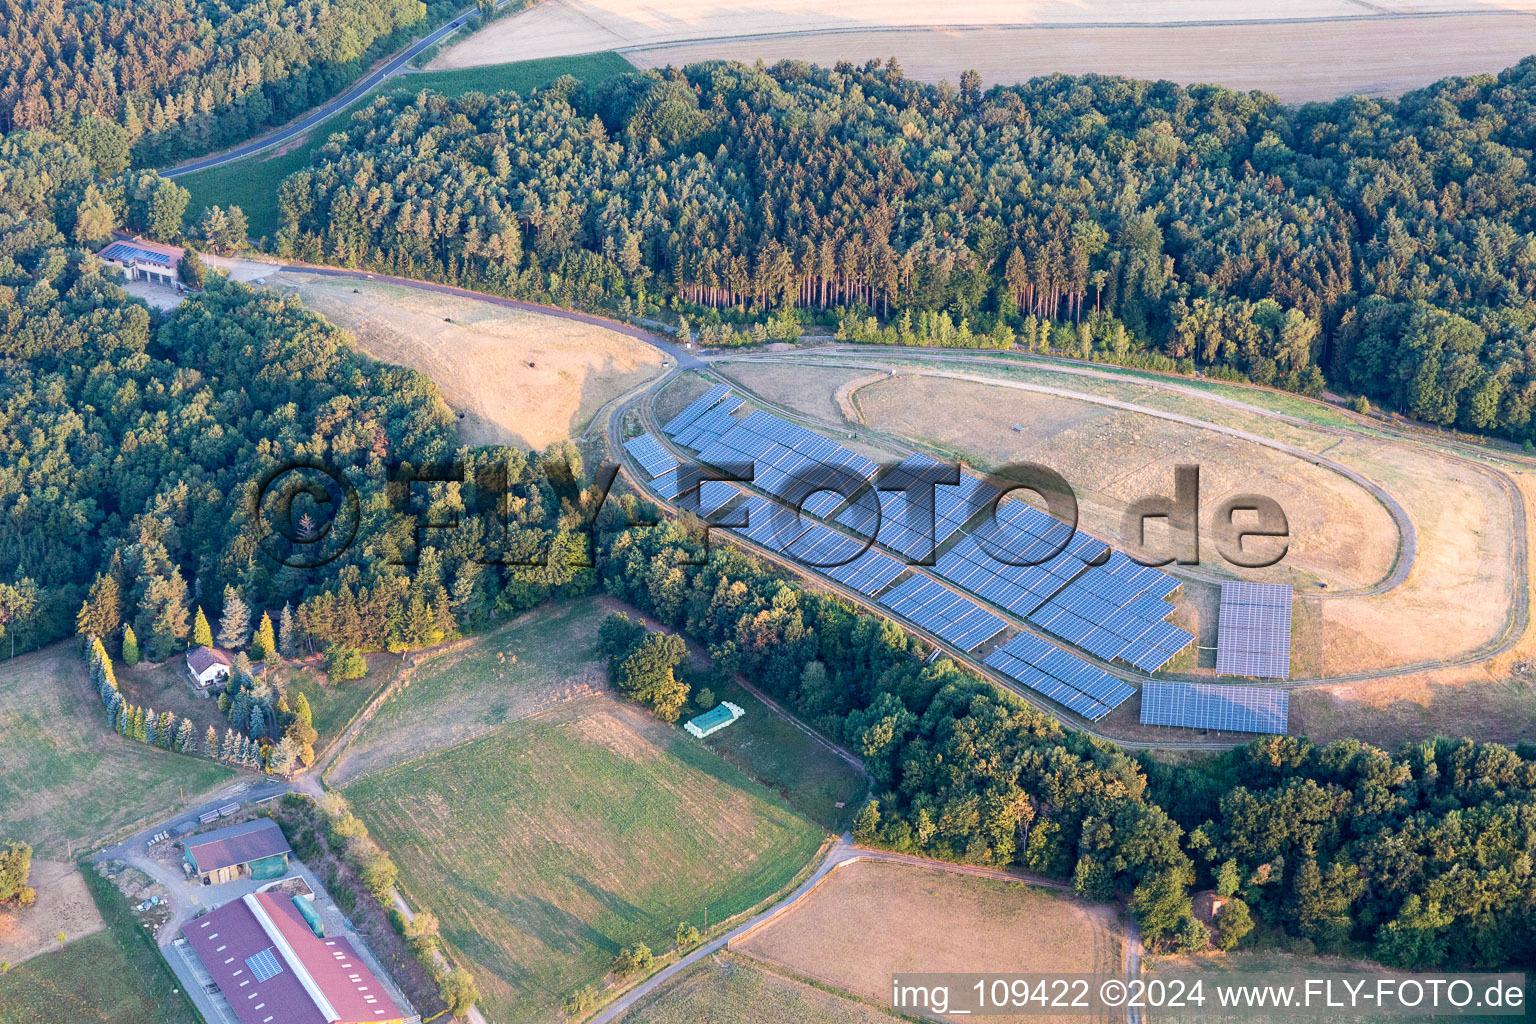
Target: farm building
[
  {"x": 255, "y": 848},
  {"x": 273, "y": 968},
  {"x": 144, "y": 261},
  {"x": 715, "y": 719},
  {"x": 208, "y": 667}
]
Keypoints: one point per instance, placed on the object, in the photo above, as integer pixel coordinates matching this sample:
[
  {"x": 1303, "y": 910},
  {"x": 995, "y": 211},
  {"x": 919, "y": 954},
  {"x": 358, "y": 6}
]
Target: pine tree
[
  {"x": 185, "y": 736},
  {"x": 130, "y": 646},
  {"x": 102, "y": 610},
  {"x": 263, "y": 644},
  {"x": 202, "y": 636},
  {"x": 211, "y": 742},
  {"x": 235, "y": 623},
  {"x": 287, "y": 641},
  {"x": 230, "y": 751},
  {"x": 301, "y": 710}
]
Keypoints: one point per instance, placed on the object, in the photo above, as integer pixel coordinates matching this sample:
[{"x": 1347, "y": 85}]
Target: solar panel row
[
  {"x": 1253, "y": 631},
  {"x": 696, "y": 408},
  {"x": 648, "y": 451},
  {"x": 819, "y": 548},
  {"x": 1207, "y": 706},
  {"x": 943, "y": 613},
  {"x": 1068, "y": 680}
]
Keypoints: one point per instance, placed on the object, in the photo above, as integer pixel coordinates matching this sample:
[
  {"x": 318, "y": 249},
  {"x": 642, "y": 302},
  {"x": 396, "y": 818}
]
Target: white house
[{"x": 208, "y": 667}]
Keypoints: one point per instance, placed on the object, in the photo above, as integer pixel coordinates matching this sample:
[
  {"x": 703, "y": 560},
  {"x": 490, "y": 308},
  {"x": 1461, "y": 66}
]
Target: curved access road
[
  {"x": 1407, "y": 546},
  {"x": 294, "y": 129},
  {"x": 842, "y": 854}
]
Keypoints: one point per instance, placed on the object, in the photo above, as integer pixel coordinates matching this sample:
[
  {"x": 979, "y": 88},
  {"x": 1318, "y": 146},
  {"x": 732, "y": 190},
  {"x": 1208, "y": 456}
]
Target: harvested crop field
[
  {"x": 65, "y": 776},
  {"x": 1376, "y": 56},
  {"x": 513, "y": 377},
  {"x": 551, "y": 842},
  {"x": 872, "y": 919},
  {"x": 1310, "y": 50},
  {"x": 727, "y": 989},
  {"x": 63, "y": 904}
]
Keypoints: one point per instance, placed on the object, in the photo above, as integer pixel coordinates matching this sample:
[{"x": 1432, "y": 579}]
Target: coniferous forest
[
  {"x": 1383, "y": 247},
  {"x": 164, "y": 80}
]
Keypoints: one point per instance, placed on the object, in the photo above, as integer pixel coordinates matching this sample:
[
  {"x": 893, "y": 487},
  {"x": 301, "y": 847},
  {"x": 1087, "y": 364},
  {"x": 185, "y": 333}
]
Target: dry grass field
[
  {"x": 549, "y": 843},
  {"x": 1113, "y": 457},
  {"x": 872, "y": 919},
  {"x": 726, "y": 989},
  {"x": 66, "y": 777},
  {"x": 538, "y": 660},
  {"x": 514, "y": 378},
  {"x": 63, "y": 904},
  {"x": 1380, "y": 48}
]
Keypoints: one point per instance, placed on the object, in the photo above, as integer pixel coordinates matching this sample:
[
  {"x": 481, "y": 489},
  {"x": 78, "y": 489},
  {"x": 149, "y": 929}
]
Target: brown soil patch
[
  {"x": 63, "y": 904},
  {"x": 787, "y": 385},
  {"x": 1459, "y": 591},
  {"x": 610, "y": 727},
  {"x": 514, "y": 377},
  {"x": 873, "y": 919}
]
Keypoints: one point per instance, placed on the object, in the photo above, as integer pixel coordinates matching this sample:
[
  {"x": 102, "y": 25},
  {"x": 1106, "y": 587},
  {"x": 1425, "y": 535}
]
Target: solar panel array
[
  {"x": 1116, "y": 610},
  {"x": 1048, "y": 670},
  {"x": 1207, "y": 706},
  {"x": 695, "y": 409},
  {"x": 263, "y": 965},
  {"x": 943, "y": 613},
  {"x": 126, "y": 251},
  {"x": 784, "y": 455},
  {"x": 648, "y": 451},
  {"x": 1253, "y": 632}
]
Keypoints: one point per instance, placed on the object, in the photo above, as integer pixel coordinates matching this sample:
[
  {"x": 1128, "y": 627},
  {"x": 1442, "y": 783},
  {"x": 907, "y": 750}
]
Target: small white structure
[
  {"x": 713, "y": 720},
  {"x": 208, "y": 667}
]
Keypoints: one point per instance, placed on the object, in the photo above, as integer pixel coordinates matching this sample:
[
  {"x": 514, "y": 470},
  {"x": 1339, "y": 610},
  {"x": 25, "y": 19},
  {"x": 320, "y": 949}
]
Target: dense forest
[
  {"x": 1385, "y": 244},
  {"x": 132, "y": 445},
  {"x": 1421, "y": 858},
  {"x": 164, "y": 80}
]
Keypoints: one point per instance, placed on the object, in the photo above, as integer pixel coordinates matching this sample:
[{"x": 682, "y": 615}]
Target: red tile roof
[
  {"x": 318, "y": 981},
  {"x": 237, "y": 844}
]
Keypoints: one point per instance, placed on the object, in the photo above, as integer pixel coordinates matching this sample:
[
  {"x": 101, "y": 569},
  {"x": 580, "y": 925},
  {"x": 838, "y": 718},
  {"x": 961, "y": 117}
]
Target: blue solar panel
[
  {"x": 1253, "y": 630},
  {"x": 263, "y": 965},
  {"x": 696, "y": 408},
  {"x": 943, "y": 613},
  {"x": 1224, "y": 708},
  {"x": 1089, "y": 691},
  {"x": 870, "y": 573},
  {"x": 650, "y": 454}
]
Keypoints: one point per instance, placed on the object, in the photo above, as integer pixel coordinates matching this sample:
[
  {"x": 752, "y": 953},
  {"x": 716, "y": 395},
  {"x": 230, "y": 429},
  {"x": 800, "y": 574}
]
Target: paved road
[
  {"x": 841, "y": 854},
  {"x": 296, "y": 128}
]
